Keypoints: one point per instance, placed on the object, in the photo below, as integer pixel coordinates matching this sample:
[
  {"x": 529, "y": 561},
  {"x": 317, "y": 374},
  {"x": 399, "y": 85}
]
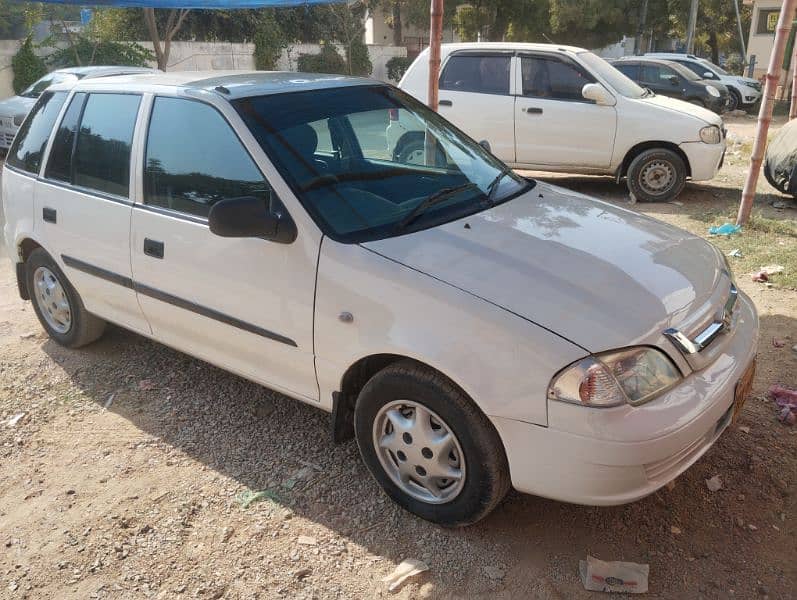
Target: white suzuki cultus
[{"x": 473, "y": 329}]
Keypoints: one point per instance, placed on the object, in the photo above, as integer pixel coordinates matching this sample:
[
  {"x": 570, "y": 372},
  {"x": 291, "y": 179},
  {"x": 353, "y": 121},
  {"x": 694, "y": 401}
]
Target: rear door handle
[
  {"x": 153, "y": 248},
  {"x": 533, "y": 110},
  {"x": 445, "y": 103},
  {"x": 49, "y": 215}
]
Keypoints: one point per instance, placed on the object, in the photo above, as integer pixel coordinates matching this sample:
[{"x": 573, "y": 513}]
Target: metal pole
[
  {"x": 765, "y": 114},
  {"x": 690, "y": 30},
  {"x": 793, "y": 105},
  {"x": 435, "y": 39},
  {"x": 741, "y": 32}
]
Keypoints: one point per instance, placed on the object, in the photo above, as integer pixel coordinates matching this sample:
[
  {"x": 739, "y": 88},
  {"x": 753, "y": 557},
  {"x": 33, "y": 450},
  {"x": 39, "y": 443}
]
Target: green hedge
[
  {"x": 27, "y": 66},
  {"x": 397, "y": 66},
  {"x": 326, "y": 61}
]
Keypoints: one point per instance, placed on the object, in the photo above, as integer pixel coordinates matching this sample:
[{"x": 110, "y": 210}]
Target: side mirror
[
  {"x": 248, "y": 216},
  {"x": 674, "y": 80},
  {"x": 486, "y": 145},
  {"x": 708, "y": 75},
  {"x": 598, "y": 94}
]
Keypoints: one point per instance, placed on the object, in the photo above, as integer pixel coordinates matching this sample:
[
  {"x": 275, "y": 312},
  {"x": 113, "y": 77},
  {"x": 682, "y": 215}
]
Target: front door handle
[
  {"x": 49, "y": 215},
  {"x": 445, "y": 103},
  {"x": 153, "y": 248},
  {"x": 533, "y": 110}
]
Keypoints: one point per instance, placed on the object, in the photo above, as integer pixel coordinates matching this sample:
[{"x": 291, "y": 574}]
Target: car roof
[
  {"x": 230, "y": 84},
  {"x": 510, "y": 46},
  {"x": 647, "y": 59},
  {"x": 104, "y": 70}
]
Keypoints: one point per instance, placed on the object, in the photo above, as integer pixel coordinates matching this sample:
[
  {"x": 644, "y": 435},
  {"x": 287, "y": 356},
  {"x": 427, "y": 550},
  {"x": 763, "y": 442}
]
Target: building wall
[
  {"x": 414, "y": 38},
  {"x": 8, "y": 48},
  {"x": 760, "y": 44}
]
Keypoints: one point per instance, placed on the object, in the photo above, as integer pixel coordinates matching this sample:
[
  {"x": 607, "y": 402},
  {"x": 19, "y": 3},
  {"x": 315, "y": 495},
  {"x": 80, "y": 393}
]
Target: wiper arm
[
  {"x": 435, "y": 198},
  {"x": 494, "y": 183}
]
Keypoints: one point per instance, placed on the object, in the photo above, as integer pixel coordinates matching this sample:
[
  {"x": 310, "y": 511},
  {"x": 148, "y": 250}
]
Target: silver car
[{"x": 13, "y": 110}]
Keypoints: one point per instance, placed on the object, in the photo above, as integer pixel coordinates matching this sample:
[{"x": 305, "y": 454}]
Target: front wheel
[
  {"x": 656, "y": 175},
  {"x": 411, "y": 150},
  {"x": 428, "y": 445},
  {"x": 734, "y": 100}
]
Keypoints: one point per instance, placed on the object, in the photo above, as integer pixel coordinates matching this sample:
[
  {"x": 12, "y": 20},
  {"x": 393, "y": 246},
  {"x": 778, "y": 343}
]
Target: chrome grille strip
[{"x": 703, "y": 339}]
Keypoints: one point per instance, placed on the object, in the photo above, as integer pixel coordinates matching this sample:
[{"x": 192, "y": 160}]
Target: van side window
[
  {"x": 28, "y": 147},
  {"x": 553, "y": 78},
  {"x": 102, "y": 151},
  {"x": 483, "y": 74},
  {"x": 59, "y": 163},
  {"x": 631, "y": 71},
  {"x": 194, "y": 159}
]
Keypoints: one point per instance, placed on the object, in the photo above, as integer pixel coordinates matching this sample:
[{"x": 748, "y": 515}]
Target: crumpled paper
[{"x": 408, "y": 567}]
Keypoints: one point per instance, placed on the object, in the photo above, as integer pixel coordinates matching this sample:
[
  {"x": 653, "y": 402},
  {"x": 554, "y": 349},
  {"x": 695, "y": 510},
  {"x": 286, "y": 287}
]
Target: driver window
[{"x": 552, "y": 78}]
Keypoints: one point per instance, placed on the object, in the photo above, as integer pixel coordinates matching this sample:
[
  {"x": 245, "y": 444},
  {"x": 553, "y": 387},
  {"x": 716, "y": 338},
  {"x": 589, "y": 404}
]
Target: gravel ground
[{"x": 129, "y": 474}]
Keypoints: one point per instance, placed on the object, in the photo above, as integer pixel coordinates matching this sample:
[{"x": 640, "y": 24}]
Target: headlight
[
  {"x": 631, "y": 376},
  {"x": 712, "y": 91},
  {"x": 710, "y": 134},
  {"x": 18, "y": 119}
]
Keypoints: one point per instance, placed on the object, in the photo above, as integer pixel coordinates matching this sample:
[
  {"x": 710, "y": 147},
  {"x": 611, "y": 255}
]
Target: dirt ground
[{"x": 128, "y": 473}]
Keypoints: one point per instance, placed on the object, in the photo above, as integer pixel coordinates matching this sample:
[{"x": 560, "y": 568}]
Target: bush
[
  {"x": 269, "y": 42},
  {"x": 88, "y": 52},
  {"x": 734, "y": 64},
  {"x": 397, "y": 66},
  {"x": 27, "y": 66},
  {"x": 360, "y": 61},
  {"x": 326, "y": 61}
]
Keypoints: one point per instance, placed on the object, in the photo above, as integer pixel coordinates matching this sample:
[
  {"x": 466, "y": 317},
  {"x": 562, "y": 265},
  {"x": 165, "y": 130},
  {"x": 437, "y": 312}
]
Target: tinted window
[
  {"x": 552, "y": 78},
  {"x": 28, "y": 147},
  {"x": 477, "y": 73},
  {"x": 194, "y": 159},
  {"x": 698, "y": 69},
  {"x": 59, "y": 163},
  {"x": 631, "y": 71},
  {"x": 102, "y": 151},
  {"x": 657, "y": 74}
]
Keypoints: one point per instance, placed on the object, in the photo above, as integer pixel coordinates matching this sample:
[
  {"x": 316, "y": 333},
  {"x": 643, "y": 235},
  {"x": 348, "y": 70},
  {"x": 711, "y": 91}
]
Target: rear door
[
  {"x": 475, "y": 95},
  {"x": 83, "y": 204},
  {"x": 554, "y": 124},
  {"x": 245, "y": 304}
]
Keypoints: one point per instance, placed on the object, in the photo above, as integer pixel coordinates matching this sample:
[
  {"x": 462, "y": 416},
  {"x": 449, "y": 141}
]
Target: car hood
[
  {"x": 16, "y": 105},
  {"x": 684, "y": 108},
  {"x": 748, "y": 80},
  {"x": 598, "y": 275}
]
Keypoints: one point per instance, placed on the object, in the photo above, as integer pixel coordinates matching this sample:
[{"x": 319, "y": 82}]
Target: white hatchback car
[
  {"x": 558, "y": 108},
  {"x": 470, "y": 327}
]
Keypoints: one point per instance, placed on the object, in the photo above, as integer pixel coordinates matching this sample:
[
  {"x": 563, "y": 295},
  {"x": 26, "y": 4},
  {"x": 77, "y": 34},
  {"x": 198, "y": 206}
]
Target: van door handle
[
  {"x": 49, "y": 215},
  {"x": 533, "y": 110},
  {"x": 153, "y": 248},
  {"x": 445, "y": 103}
]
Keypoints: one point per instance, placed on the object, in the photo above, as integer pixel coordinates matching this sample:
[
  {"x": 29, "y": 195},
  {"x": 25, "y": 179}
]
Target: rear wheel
[
  {"x": 57, "y": 305},
  {"x": 656, "y": 175},
  {"x": 429, "y": 447}
]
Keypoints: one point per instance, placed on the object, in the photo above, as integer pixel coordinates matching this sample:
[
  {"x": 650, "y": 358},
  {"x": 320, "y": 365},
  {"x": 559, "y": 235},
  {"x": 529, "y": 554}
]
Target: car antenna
[{"x": 222, "y": 90}]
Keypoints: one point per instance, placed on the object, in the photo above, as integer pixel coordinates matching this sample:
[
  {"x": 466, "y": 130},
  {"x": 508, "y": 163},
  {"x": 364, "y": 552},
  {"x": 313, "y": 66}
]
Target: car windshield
[
  {"x": 713, "y": 67},
  {"x": 683, "y": 71},
  {"x": 35, "y": 90},
  {"x": 617, "y": 80},
  {"x": 369, "y": 162}
]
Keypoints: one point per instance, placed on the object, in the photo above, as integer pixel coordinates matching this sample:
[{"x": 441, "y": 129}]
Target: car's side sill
[{"x": 173, "y": 300}]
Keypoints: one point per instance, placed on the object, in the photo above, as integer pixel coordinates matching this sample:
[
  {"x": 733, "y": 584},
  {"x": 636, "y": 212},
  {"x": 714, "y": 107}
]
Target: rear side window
[
  {"x": 483, "y": 74},
  {"x": 28, "y": 147},
  {"x": 102, "y": 152},
  {"x": 630, "y": 71},
  {"x": 194, "y": 159},
  {"x": 59, "y": 163}
]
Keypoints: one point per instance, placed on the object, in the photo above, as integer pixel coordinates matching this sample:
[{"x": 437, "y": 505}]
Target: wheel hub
[
  {"x": 419, "y": 452},
  {"x": 657, "y": 177},
  {"x": 52, "y": 300}
]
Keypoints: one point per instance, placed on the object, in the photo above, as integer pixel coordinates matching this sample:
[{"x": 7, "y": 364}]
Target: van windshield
[
  {"x": 369, "y": 161},
  {"x": 619, "y": 82}
]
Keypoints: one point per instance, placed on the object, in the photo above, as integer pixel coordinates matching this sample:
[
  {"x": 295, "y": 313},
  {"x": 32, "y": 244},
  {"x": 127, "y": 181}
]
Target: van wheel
[
  {"x": 734, "y": 99},
  {"x": 58, "y": 306},
  {"x": 411, "y": 150},
  {"x": 428, "y": 445},
  {"x": 656, "y": 175}
]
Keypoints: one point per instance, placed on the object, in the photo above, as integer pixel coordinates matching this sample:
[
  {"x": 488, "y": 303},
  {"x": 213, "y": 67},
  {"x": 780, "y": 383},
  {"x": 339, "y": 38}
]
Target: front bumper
[
  {"x": 614, "y": 456},
  {"x": 704, "y": 159}
]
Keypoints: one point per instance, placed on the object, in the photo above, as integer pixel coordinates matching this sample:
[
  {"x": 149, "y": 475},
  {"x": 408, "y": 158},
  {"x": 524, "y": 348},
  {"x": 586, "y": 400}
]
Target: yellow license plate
[{"x": 743, "y": 388}]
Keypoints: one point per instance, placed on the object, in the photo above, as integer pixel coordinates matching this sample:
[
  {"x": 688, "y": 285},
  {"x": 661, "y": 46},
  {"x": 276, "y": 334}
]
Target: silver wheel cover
[{"x": 52, "y": 300}]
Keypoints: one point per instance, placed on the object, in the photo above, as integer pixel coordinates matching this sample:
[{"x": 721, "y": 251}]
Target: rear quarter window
[{"x": 28, "y": 147}]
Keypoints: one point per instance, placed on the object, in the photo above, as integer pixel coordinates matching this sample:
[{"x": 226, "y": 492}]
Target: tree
[
  {"x": 27, "y": 66},
  {"x": 174, "y": 21}
]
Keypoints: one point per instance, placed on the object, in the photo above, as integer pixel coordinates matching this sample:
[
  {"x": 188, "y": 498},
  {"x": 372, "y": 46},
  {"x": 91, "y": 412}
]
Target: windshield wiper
[
  {"x": 435, "y": 198},
  {"x": 494, "y": 183}
]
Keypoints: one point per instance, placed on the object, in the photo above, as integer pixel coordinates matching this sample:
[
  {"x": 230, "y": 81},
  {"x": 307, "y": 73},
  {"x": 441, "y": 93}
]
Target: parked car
[
  {"x": 674, "y": 80},
  {"x": 471, "y": 328},
  {"x": 14, "y": 109},
  {"x": 558, "y": 108},
  {"x": 744, "y": 91}
]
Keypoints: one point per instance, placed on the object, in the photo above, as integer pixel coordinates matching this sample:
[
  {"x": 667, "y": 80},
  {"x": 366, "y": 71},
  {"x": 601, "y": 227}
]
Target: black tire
[
  {"x": 656, "y": 158},
  {"x": 734, "y": 100},
  {"x": 413, "y": 144},
  {"x": 486, "y": 480},
  {"x": 85, "y": 327}
]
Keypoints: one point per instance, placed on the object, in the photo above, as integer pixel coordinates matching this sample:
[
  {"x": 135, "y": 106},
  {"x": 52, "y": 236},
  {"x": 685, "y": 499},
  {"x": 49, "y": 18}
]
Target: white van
[
  {"x": 558, "y": 108},
  {"x": 471, "y": 328}
]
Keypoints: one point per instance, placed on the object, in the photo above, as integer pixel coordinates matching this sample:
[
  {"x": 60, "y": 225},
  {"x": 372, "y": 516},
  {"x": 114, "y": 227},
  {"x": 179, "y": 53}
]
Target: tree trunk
[
  {"x": 173, "y": 24},
  {"x": 765, "y": 114},
  {"x": 398, "y": 35},
  {"x": 714, "y": 45}
]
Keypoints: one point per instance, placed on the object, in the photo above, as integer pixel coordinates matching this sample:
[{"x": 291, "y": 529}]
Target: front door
[
  {"x": 554, "y": 124},
  {"x": 245, "y": 304},
  {"x": 475, "y": 96},
  {"x": 661, "y": 79}
]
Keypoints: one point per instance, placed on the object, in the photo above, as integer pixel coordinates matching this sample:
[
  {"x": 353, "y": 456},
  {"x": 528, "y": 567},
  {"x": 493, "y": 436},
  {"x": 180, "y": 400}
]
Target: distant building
[
  {"x": 415, "y": 39},
  {"x": 762, "y": 33}
]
